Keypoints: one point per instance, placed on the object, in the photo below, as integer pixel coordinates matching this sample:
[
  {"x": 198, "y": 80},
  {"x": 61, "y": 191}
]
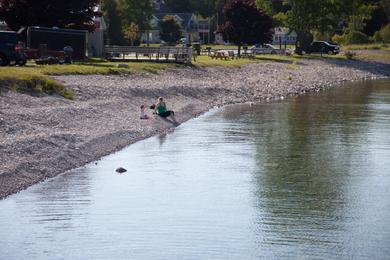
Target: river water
[{"x": 303, "y": 178}]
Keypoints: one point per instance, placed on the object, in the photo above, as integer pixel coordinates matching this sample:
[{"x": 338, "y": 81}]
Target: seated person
[
  {"x": 143, "y": 114},
  {"x": 161, "y": 110}
]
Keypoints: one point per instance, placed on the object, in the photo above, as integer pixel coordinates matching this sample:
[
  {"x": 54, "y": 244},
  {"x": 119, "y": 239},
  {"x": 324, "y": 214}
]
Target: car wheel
[
  {"x": 273, "y": 52},
  {"x": 3, "y": 60},
  {"x": 21, "y": 62},
  {"x": 330, "y": 52}
]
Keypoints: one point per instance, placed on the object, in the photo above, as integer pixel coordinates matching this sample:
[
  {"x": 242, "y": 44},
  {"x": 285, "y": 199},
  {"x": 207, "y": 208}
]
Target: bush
[
  {"x": 385, "y": 34},
  {"x": 340, "y": 39},
  {"x": 377, "y": 37},
  {"x": 356, "y": 37},
  {"x": 35, "y": 84}
]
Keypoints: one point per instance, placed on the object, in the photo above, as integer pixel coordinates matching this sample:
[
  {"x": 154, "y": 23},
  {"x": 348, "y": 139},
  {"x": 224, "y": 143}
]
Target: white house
[
  {"x": 284, "y": 36},
  {"x": 187, "y": 21}
]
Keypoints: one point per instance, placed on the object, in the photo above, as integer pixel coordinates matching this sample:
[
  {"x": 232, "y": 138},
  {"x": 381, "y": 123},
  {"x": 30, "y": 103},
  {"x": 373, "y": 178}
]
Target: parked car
[
  {"x": 11, "y": 50},
  {"x": 324, "y": 47},
  {"x": 265, "y": 49},
  {"x": 269, "y": 49}
]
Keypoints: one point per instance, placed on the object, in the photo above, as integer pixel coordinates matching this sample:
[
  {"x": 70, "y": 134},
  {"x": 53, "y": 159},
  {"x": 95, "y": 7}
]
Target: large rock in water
[{"x": 121, "y": 170}]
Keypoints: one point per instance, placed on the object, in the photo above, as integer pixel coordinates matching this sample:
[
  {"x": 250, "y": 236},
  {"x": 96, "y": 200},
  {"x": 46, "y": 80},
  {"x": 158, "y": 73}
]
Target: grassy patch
[
  {"x": 32, "y": 83},
  {"x": 275, "y": 58},
  {"x": 381, "y": 56},
  {"x": 205, "y": 61},
  {"x": 34, "y": 78},
  {"x": 384, "y": 47}
]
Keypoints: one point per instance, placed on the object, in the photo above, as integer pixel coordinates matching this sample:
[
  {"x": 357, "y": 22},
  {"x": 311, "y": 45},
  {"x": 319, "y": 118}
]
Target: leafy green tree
[
  {"x": 205, "y": 8},
  {"x": 136, "y": 11},
  {"x": 306, "y": 16},
  {"x": 245, "y": 24},
  {"x": 354, "y": 12},
  {"x": 378, "y": 20},
  {"x": 170, "y": 30},
  {"x": 76, "y": 14},
  {"x": 179, "y": 6},
  {"x": 265, "y": 5},
  {"x": 113, "y": 21},
  {"x": 132, "y": 33}
]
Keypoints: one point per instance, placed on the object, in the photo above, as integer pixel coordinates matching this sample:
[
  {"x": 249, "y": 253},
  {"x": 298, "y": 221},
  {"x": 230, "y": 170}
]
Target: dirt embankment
[{"x": 41, "y": 137}]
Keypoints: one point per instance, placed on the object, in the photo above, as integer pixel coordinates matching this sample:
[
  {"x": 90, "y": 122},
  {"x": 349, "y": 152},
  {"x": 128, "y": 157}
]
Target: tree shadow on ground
[{"x": 374, "y": 67}]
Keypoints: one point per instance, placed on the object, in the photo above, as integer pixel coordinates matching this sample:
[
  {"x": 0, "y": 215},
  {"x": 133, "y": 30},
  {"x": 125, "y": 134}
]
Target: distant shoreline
[{"x": 41, "y": 137}]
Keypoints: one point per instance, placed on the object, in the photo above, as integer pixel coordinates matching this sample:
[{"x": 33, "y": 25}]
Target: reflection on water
[{"x": 307, "y": 178}]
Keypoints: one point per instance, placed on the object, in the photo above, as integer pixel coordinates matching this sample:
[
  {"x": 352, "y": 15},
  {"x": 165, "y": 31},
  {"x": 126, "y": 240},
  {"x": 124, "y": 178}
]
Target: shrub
[
  {"x": 377, "y": 37},
  {"x": 35, "y": 84},
  {"x": 356, "y": 37},
  {"x": 340, "y": 39},
  {"x": 385, "y": 33}
]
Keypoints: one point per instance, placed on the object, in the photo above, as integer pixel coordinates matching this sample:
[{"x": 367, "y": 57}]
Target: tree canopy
[
  {"x": 206, "y": 8},
  {"x": 245, "y": 24},
  {"x": 113, "y": 21},
  {"x": 170, "y": 30},
  {"x": 76, "y": 14},
  {"x": 138, "y": 12}
]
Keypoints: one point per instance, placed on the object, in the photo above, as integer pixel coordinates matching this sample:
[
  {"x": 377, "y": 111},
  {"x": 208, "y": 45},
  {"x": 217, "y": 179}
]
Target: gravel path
[{"x": 41, "y": 137}]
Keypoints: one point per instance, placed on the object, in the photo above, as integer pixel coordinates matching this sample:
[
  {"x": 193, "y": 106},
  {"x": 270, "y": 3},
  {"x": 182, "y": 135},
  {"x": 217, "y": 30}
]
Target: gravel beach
[{"x": 41, "y": 137}]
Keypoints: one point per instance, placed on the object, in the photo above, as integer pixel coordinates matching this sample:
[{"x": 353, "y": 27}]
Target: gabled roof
[{"x": 184, "y": 17}]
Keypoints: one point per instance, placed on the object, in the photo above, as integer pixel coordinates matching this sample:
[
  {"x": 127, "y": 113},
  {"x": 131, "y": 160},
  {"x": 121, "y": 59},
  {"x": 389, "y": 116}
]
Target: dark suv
[
  {"x": 324, "y": 47},
  {"x": 10, "y": 49}
]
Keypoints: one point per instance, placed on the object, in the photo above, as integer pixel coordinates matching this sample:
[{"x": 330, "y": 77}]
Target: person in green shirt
[{"x": 161, "y": 110}]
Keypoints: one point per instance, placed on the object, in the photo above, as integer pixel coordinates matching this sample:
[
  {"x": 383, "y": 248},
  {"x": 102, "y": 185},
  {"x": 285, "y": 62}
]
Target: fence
[{"x": 160, "y": 54}]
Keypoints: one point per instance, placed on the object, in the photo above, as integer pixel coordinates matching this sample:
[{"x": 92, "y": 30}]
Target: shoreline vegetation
[{"x": 72, "y": 115}]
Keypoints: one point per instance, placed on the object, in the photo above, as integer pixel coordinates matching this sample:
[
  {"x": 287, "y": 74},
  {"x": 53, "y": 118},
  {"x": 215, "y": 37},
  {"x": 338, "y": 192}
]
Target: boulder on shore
[{"x": 121, "y": 170}]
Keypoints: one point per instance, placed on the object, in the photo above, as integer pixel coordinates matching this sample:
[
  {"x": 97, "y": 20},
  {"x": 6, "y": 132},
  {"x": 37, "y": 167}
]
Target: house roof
[
  {"x": 284, "y": 31},
  {"x": 185, "y": 18}
]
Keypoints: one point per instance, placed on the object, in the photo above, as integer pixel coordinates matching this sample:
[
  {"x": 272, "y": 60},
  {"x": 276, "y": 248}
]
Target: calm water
[{"x": 306, "y": 178}]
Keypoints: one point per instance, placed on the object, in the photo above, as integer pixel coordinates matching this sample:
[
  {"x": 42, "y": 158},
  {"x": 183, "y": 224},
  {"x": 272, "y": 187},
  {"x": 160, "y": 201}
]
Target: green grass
[
  {"x": 384, "y": 47},
  {"x": 35, "y": 79},
  {"x": 205, "y": 61},
  {"x": 382, "y": 56},
  {"x": 25, "y": 81}
]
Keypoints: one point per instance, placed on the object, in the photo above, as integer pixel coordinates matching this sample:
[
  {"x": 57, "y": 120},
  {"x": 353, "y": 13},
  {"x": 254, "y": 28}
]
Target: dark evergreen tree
[
  {"x": 76, "y": 14},
  {"x": 170, "y": 30},
  {"x": 113, "y": 21},
  {"x": 245, "y": 24}
]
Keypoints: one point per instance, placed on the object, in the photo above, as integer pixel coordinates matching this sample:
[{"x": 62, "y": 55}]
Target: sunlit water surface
[{"x": 306, "y": 178}]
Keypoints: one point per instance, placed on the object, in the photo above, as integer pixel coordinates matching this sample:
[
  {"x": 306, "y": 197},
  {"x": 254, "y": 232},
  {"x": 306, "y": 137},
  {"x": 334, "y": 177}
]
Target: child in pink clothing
[{"x": 143, "y": 114}]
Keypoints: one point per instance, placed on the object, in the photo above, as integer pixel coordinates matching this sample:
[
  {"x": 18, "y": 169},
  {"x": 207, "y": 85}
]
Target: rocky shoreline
[{"x": 41, "y": 137}]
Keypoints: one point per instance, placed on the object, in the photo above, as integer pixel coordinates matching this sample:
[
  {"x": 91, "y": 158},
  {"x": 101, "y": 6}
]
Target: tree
[
  {"x": 76, "y": 14},
  {"x": 355, "y": 12},
  {"x": 170, "y": 30},
  {"x": 265, "y": 5},
  {"x": 132, "y": 33},
  {"x": 205, "y": 8},
  {"x": 245, "y": 24},
  {"x": 113, "y": 21},
  {"x": 179, "y": 6},
  {"x": 136, "y": 11},
  {"x": 305, "y": 16}
]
